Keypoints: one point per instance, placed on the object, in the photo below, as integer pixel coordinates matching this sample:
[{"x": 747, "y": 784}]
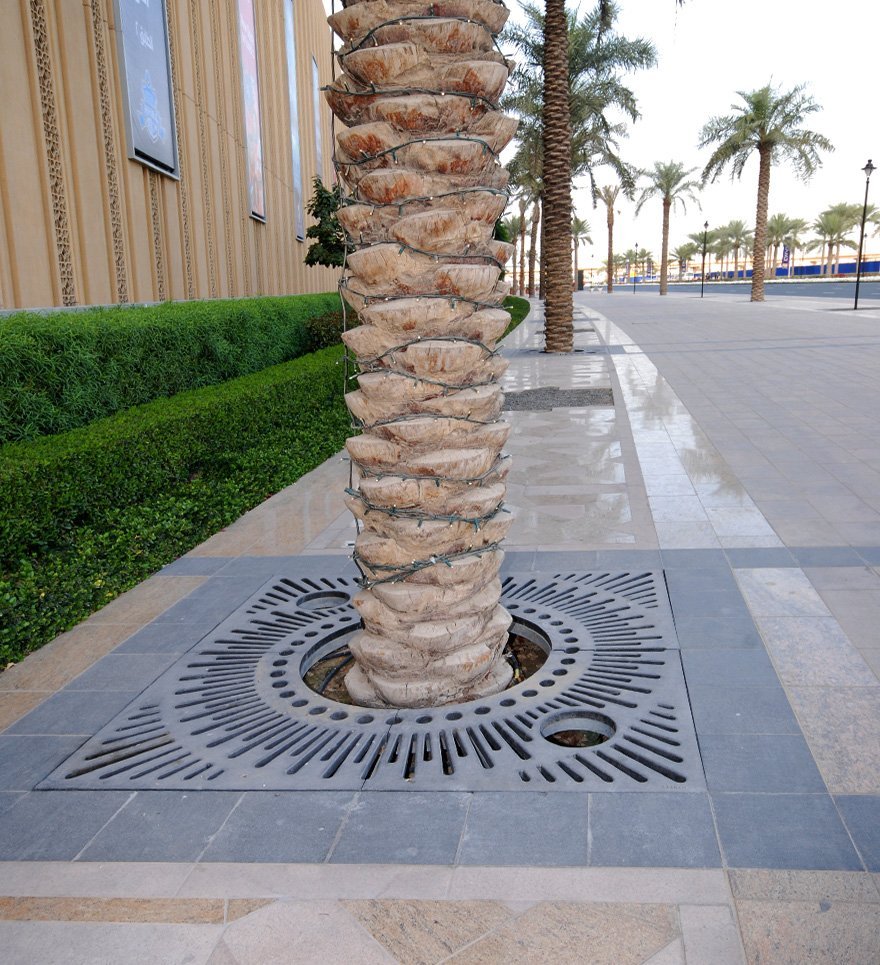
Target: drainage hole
[
  {"x": 317, "y": 710},
  {"x": 529, "y": 609},
  {"x": 577, "y": 728},
  {"x": 507, "y": 702},
  {"x": 571, "y": 649},
  {"x": 570, "y": 639},
  {"x": 366, "y": 719},
  {"x": 338, "y": 715},
  {"x": 482, "y": 710},
  {"x": 559, "y": 673},
  {"x": 424, "y": 719},
  {"x": 567, "y": 661},
  {"x": 287, "y": 693},
  {"x": 530, "y": 693},
  {"x": 547, "y": 683},
  {"x": 299, "y": 703},
  {"x": 280, "y": 683},
  {"x": 453, "y": 715},
  {"x": 279, "y": 663},
  {"x": 277, "y": 673},
  {"x": 286, "y": 653},
  {"x": 556, "y": 623},
  {"x": 310, "y": 633}
]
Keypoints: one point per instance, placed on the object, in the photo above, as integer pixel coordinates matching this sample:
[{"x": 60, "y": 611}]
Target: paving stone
[
  {"x": 755, "y": 558},
  {"x": 704, "y": 632},
  {"x": 55, "y": 825},
  {"x": 73, "y": 712},
  {"x": 526, "y": 829},
  {"x": 195, "y": 566},
  {"x": 741, "y": 710},
  {"x": 756, "y": 762},
  {"x": 162, "y": 638},
  {"x": 403, "y": 827},
  {"x": 729, "y": 667},
  {"x": 783, "y": 831},
  {"x": 826, "y": 556},
  {"x": 25, "y": 760},
  {"x": 162, "y": 826},
  {"x": 780, "y": 593},
  {"x": 710, "y": 934},
  {"x": 814, "y": 651},
  {"x": 696, "y": 559},
  {"x": 652, "y": 829},
  {"x": 270, "y": 826},
  {"x": 123, "y": 672},
  {"x": 214, "y": 600},
  {"x": 8, "y": 798},
  {"x": 861, "y": 815},
  {"x": 766, "y": 884},
  {"x": 819, "y": 932}
]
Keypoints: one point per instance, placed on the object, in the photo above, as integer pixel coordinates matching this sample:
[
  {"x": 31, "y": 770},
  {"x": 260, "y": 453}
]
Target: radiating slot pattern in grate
[{"x": 234, "y": 713}]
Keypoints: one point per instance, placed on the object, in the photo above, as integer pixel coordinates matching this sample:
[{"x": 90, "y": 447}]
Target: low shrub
[{"x": 63, "y": 370}]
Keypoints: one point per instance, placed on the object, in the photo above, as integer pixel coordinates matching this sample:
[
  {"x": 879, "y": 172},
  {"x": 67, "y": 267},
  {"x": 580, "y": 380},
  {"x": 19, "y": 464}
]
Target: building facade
[{"x": 160, "y": 149}]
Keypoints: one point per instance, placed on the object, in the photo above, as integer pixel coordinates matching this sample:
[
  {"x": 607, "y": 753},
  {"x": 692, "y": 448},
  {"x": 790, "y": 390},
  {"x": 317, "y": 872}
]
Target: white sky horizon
[{"x": 706, "y": 52}]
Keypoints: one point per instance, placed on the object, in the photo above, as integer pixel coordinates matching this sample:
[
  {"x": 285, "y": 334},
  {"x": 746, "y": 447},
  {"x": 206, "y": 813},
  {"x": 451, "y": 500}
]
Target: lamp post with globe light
[{"x": 869, "y": 170}]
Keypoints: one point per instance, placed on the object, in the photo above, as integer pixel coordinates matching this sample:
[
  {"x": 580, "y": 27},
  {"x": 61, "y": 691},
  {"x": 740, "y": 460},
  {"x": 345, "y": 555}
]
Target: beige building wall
[{"x": 82, "y": 224}]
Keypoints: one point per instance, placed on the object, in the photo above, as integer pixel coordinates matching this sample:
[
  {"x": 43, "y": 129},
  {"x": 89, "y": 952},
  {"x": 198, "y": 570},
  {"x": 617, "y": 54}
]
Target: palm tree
[
  {"x": 832, "y": 227},
  {"x": 683, "y": 254},
  {"x": 512, "y": 225},
  {"x": 580, "y": 234},
  {"x": 567, "y": 85},
  {"x": 608, "y": 196},
  {"x": 721, "y": 249},
  {"x": 778, "y": 226},
  {"x": 739, "y": 236},
  {"x": 523, "y": 205},
  {"x": 556, "y": 122},
  {"x": 669, "y": 182},
  {"x": 767, "y": 121},
  {"x": 793, "y": 240},
  {"x": 850, "y": 215}
]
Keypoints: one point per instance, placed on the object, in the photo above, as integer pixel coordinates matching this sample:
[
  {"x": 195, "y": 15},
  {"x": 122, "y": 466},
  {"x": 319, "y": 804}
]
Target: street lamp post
[
  {"x": 869, "y": 170},
  {"x": 703, "y": 272},
  {"x": 635, "y": 265}
]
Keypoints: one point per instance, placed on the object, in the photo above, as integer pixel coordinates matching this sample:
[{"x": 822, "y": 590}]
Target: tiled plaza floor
[{"x": 742, "y": 462}]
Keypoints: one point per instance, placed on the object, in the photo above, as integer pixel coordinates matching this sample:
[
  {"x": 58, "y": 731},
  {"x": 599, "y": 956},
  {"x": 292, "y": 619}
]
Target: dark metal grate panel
[{"x": 235, "y": 714}]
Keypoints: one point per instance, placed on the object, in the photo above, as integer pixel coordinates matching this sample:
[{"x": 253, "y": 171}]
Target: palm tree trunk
[
  {"x": 542, "y": 255},
  {"x": 735, "y": 263},
  {"x": 610, "y": 262},
  {"x": 523, "y": 204},
  {"x": 555, "y": 247},
  {"x": 764, "y": 157},
  {"x": 664, "y": 250},
  {"x": 533, "y": 246},
  {"x": 575, "y": 242}
]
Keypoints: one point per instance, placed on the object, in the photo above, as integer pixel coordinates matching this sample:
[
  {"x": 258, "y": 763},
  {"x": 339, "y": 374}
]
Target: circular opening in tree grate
[
  {"x": 577, "y": 728},
  {"x": 323, "y": 668},
  {"x": 236, "y": 713}
]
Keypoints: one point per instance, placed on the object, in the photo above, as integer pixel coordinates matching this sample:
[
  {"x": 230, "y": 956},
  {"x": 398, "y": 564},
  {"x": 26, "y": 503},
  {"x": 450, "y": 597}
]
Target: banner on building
[
  {"x": 251, "y": 97},
  {"x": 786, "y": 256},
  {"x": 145, "y": 62},
  {"x": 293, "y": 99},
  {"x": 316, "y": 105}
]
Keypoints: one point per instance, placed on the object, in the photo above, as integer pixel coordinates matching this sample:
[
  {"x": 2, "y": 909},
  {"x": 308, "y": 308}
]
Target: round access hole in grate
[
  {"x": 577, "y": 728},
  {"x": 322, "y": 600}
]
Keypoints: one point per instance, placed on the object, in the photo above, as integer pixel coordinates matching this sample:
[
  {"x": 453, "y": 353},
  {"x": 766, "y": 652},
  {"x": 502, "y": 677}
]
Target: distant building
[{"x": 159, "y": 149}]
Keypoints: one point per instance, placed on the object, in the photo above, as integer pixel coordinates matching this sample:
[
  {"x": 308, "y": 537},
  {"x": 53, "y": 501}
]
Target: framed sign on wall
[
  {"x": 251, "y": 93},
  {"x": 145, "y": 63}
]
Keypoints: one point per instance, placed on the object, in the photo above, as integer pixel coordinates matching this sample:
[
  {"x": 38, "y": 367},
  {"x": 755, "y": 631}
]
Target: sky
[
  {"x": 706, "y": 52},
  {"x": 709, "y": 50}
]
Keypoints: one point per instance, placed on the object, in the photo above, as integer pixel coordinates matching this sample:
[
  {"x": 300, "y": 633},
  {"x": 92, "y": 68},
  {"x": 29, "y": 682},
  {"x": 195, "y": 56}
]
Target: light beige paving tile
[
  {"x": 814, "y": 651},
  {"x": 15, "y": 704},
  {"x": 778, "y": 592},
  {"x": 694, "y": 535},
  {"x": 818, "y": 933},
  {"x": 842, "y": 727},
  {"x": 843, "y": 578},
  {"x": 577, "y": 933},
  {"x": 319, "y": 881},
  {"x": 81, "y": 943},
  {"x": 190, "y": 911},
  {"x": 66, "y": 657},
  {"x": 677, "y": 509},
  {"x": 427, "y": 931},
  {"x": 93, "y": 879},
  {"x": 300, "y": 931},
  {"x": 642, "y": 885},
  {"x": 147, "y": 600},
  {"x": 763, "y": 884},
  {"x": 710, "y": 934},
  {"x": 673, "y": 954}
]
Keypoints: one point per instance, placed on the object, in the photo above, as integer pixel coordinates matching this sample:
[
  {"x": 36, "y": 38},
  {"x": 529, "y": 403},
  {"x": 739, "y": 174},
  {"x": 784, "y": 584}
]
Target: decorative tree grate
[{"x": 234, "y": 713}]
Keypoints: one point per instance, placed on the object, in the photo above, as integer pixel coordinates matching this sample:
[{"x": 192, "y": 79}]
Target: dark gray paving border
[{"x": 765, "y": 806}]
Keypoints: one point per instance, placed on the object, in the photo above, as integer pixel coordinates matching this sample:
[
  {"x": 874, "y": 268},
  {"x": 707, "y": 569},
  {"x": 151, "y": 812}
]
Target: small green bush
[
  {"x": 519, "y": 308},
  {"x": 63, "y": 370}
]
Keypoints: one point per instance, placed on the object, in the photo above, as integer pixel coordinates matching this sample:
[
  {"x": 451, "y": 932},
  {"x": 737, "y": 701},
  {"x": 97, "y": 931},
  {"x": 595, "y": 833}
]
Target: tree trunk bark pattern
[
  {"x": 760, "y": 244},
  {"x": 556, "y": 251},
  {"x": 522, "y": 247},
  {"x": 664, "y": 250},
  {"x": 610, "y": 262},
  {"x": 418, "y": 95},
  {"x": 533, "y": 249}
]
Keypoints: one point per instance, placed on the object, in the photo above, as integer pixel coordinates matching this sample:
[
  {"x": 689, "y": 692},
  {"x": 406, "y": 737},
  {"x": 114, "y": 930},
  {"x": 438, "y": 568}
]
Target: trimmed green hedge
[
  {"x": 88, "y": 514},
  {"x": 519, "y": 308},
  {"x": 63, "y": 370}
]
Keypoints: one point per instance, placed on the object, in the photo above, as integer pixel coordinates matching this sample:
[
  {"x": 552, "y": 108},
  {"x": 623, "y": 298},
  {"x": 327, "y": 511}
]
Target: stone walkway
[{"x": 741, "y": 464}]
